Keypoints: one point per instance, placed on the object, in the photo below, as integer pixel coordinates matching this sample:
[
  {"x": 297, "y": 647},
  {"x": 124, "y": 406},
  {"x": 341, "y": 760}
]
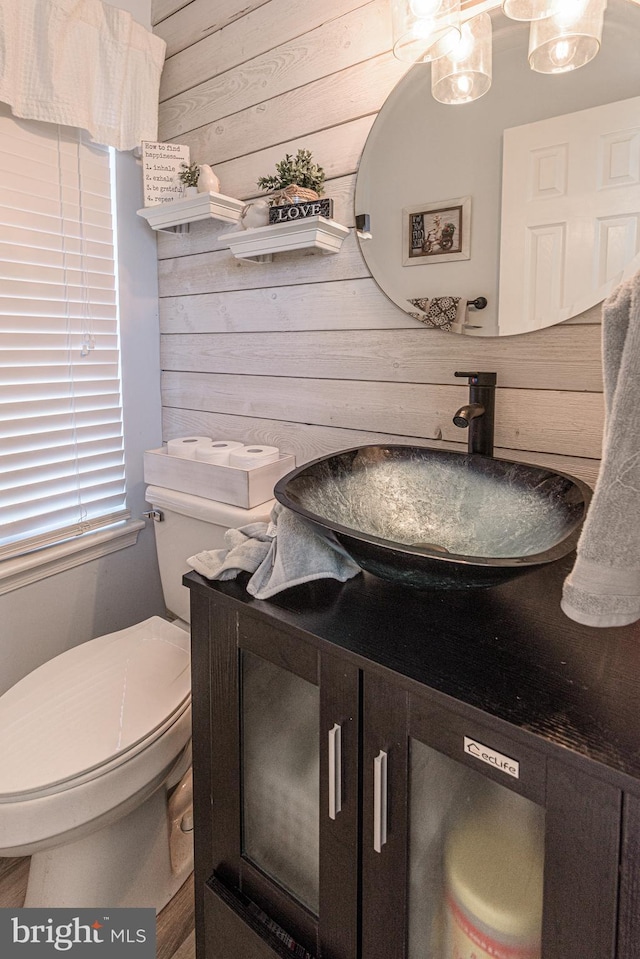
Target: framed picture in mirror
[{"x": 438, "y": 231}]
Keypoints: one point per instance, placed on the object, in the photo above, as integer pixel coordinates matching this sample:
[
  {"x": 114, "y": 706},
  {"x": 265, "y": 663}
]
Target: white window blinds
[{"x": 61, "y": 442}]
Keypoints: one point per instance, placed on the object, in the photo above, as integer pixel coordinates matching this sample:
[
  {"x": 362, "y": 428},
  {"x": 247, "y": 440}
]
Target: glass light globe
[
  {"x": 424, "y": 30},
  {"x": 568, "y": 40},
  {"x": 465, "y": 73}
]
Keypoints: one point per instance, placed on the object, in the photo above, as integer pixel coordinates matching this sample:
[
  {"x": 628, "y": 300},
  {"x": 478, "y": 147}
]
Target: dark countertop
[{"x": 509, "y": 651}]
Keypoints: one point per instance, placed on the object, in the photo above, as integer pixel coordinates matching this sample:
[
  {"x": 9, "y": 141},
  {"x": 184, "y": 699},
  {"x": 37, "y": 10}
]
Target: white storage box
[{"x": 227, "y": 484}]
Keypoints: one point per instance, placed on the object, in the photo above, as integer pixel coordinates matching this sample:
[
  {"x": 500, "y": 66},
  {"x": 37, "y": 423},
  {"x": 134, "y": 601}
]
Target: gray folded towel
[
  {"x": 282, "y": 553},
  {"x": 603, "y": 589}
]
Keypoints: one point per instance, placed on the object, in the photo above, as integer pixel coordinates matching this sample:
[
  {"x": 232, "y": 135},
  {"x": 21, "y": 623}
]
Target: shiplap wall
[{"x": 305, "y": 353}]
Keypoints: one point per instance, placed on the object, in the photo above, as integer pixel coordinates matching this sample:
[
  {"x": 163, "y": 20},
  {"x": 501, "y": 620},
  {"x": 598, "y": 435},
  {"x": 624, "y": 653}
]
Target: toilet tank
[{"x": 188, "y": 525}]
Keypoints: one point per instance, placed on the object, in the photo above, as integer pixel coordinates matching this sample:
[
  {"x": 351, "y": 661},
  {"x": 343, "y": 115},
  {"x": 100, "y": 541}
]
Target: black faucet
[{"x": 479, "y": 413}]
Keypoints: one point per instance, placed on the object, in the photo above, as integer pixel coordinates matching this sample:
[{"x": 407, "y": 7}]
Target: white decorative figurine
[
  {"x": 254, "y": 214},
  {"x": 208, "y": 182}
]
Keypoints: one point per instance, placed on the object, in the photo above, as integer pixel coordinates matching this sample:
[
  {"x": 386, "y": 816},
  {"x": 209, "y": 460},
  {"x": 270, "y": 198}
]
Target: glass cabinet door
[
  {"x": 476, "y": 864},
  {"x": 477, "y": 845},
  {"x": 280, "y": 776},
  {"x": 282, "y": 799}
]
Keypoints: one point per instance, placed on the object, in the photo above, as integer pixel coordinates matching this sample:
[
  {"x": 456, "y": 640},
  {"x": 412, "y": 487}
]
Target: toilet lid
[{"x": 93, "y": 703}]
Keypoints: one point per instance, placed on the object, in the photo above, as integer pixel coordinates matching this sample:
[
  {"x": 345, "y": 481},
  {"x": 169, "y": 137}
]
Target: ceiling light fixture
[{"x": 564, "y": 35}]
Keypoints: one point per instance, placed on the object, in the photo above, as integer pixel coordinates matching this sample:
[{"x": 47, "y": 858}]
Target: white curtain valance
[{"x": 81, "y": 63}]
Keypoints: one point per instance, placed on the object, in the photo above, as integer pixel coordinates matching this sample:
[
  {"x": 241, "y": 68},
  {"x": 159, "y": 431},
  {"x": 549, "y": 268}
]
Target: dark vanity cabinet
[{"x": 387, "y": 773}]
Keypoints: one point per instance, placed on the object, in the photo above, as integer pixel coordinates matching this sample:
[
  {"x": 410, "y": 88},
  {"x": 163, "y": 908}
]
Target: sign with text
[
  {"x": 299, "y": 211},
  {"x": 79, "y": 933},
  {"x": 161, "y": 164}
]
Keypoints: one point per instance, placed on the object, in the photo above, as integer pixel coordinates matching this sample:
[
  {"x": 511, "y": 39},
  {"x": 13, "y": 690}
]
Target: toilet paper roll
[
  {"x": 249, "y": 457},
  {"x": 217, "y": 451},
  {"x": 186, "y": 446}
]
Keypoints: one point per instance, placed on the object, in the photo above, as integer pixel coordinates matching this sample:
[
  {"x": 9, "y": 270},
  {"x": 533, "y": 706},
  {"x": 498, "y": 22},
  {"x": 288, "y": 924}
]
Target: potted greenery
[
  {"x": 189, "y": 176},
  {"x": 296, "y": 179}
]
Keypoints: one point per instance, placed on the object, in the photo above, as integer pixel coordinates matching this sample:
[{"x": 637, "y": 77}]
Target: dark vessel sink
[{"x": 437, "y": 519}]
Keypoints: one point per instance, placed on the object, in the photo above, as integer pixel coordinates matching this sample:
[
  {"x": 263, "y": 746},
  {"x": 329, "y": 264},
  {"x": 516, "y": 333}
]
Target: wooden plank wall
[{"x": 305, "y": 353}]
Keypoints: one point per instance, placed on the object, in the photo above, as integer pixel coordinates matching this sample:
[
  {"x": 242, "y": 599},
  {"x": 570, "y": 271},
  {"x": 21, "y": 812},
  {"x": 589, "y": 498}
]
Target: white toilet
[{"x": 95, "y": 745}]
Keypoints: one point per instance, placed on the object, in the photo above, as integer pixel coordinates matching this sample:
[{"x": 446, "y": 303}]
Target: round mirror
[{"x": 528, "y": 197}]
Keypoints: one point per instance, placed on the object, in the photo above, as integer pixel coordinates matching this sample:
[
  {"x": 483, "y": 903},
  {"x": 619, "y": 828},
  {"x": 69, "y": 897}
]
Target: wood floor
[{"x": 175, "y": 935}]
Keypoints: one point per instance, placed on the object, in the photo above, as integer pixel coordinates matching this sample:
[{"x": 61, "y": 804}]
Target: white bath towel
[
  {"x": 603, "y": 589},
  {"x": 282, "y": 553},
  {"x": 81, "y": 63}
]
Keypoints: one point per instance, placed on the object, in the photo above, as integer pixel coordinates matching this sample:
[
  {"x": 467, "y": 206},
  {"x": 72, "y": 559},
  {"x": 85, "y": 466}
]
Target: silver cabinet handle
[
  {"x": 379, "y": 801},
  {"x": 335, "y": 770}
]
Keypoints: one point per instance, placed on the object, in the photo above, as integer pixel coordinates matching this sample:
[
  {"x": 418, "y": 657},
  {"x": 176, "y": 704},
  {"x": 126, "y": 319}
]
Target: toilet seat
[{"x": 120, "y": 693}]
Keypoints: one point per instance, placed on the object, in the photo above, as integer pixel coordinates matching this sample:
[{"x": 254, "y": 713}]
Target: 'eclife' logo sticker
[
  {"x": 80, "y": 933},
  {"x": 486, "y": 755}
]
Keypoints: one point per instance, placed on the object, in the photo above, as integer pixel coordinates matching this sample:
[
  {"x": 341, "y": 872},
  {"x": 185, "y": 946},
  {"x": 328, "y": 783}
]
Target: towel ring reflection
[{"x": 479, "y": 303}]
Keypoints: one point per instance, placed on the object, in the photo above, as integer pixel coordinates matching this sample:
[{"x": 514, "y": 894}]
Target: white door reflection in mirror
[{"x": 570, "y": 228}]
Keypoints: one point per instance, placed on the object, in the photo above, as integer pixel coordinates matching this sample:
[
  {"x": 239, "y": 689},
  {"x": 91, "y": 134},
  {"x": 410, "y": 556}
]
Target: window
[{"x": 61, "y": 437}]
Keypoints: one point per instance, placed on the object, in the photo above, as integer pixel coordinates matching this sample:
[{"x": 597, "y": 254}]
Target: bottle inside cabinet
[{"x": 476, "y": 864}]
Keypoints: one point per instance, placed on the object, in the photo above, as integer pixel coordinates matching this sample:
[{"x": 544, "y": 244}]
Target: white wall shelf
[
  {"x": 311, "y": 232},
  {"x": 202, "y": 206}
]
